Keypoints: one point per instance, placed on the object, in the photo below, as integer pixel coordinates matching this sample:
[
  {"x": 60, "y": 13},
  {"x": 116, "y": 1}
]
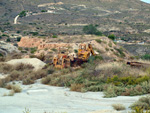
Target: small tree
[
  {"x": 54, "y": 36},
  {"x": 43, "y": 10},
  {"x": 91, "y": 29},
  {"x": 22, "y": 14},
  {"x": 112, "y": 36},
  {"x": 8, "y": 40},
  {"x": 18, "y": 39}
]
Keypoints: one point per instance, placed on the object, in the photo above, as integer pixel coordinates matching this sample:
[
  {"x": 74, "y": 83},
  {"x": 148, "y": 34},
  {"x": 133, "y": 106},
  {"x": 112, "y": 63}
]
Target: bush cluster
[{"x": 91, "y": 29}]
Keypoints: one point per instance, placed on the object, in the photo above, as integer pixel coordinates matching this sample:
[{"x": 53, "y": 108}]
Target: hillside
[{"x": 128, "y": 19}]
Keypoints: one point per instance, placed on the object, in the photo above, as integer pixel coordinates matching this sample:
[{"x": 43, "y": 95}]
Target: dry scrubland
[{"x": 107, "y": 72}]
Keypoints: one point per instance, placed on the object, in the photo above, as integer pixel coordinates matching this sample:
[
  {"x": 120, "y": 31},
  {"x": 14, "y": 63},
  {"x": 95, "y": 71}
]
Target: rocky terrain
[
  {"x": 128, "y": 19},
  {"x": 137, "y": 49},
  {"x": 39, "y": 98},
  {"x": 74, "y": 56},
  {"x": 6, "y": 48}
]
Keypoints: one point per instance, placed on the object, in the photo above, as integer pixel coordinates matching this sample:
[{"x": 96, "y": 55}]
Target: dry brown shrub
[
  {"x": 127, "y": 92},
  {"x": 15, "y": 88},
  {"x": 46, "y": 80},
  {"x": 8, "y": 86},
  {"x": 2, "y": 83},
  {"x": 28, "y": 81},
  {"x": 21, "y": 67},
  {"x": 76, "y": 87},
  {"x": 40, "y": 74},
  {"x": 118, "y": 107},
  {"x": 14, "y": 75},
  {"x": 11, "y": 93},
  {"x": 2, "y": 59},
  {"x": 5, "y": 68},
  {"x": 138, "y": 88}
]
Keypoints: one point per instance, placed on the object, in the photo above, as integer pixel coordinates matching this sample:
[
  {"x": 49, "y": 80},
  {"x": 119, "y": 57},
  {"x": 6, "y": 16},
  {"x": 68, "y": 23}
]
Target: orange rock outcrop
[
  {"x": 40, "y": 43},
  {"x": 30, "y": 42}
]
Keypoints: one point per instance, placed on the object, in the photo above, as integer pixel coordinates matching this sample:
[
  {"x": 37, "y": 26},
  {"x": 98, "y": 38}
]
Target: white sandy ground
[{"x": 39, "y": 98}]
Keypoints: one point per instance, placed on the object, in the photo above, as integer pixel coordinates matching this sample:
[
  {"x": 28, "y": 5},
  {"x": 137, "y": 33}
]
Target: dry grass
[
  {"x": 118, "y": 107},
  {"x": 11, "y": 93},
  {"x": 23, "y": 72},
  {"x": 120, "y": 69},
  {"x": 15, "y": 88},
  {"x": 76, "y": 87}
]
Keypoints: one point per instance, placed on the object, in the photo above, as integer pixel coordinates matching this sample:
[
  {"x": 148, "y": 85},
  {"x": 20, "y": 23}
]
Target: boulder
[
  {"x": 7, "y": 48},
  {"x": 36, "y": 63}
]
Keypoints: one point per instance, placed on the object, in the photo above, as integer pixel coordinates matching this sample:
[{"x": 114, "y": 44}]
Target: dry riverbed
[{"x": 39, "y": 98}]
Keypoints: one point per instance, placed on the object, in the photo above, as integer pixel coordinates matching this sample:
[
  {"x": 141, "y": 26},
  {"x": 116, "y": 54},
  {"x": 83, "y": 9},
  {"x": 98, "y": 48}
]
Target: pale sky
[{"x": 148, "y": 1}]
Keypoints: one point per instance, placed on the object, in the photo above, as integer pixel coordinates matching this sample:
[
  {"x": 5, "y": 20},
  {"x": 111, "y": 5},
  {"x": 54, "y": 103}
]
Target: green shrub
[
  {"x": 1, "y": 55},
  {"x": 33, "y": 50},
  {"x": 120, "y": 51},
  {"x": 76, "y": 51},
  {"x": 18, "y": 39},
  {"x": 54, "y": 36},
  {"x": 112, "y": 37},
  {"x": 91, "y": 29},
  {"x": 139, "y": 110},
  {"x": 95, "y": 88},
  {"x": 5, "y": 35},
  {"x": 34, "y": 33},
  {"x": 98, "y": 40},
  {"x": 99, "y": 57},
  {"x": 143, "y": 103},
  {"x": 110, "y": 44},
  {"x": 8, "y": 40},
  {"x": 110, "y": 92},
  {"x": 22, "y": 14},
  {"x": 43, "y": 10},
  {"x": 129, "y": 80},
  {"x": 146, "y": 57}
]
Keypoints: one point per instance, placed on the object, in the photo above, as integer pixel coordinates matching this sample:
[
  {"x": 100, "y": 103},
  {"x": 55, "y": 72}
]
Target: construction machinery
[
  {"x": 63, "y": 60},
  {"x": 85, "y": 52},
  {"x": 138, "y": 64}
]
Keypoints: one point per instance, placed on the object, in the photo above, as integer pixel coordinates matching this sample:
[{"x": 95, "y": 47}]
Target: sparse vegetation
[
  {"x": 146, "y": 57},
  {"x": 33, "y": 50},
  {"x": 139, "y": 110},
  {"x": 112, "y": 37},
  {"x": 22, "y": 14},
  {"x": 118, "y": 107},
  {"x": 143, "y": 103},
  {"x": 27, "y": 111},
  {"x": 22, "y": 72},
  {"x": 43, "y": 10},
  {"x": 91, "y": 29},
  {"x": 99, "y": 40},
  {"x": 54, "y": 36},
  {"x": 18, "y": 39}
]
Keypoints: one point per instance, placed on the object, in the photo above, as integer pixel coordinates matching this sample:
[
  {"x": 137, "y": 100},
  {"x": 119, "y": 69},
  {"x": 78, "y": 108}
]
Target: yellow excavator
[
  {"x": 84, "y": 52},
  {"x": 63, "y": 60}
]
